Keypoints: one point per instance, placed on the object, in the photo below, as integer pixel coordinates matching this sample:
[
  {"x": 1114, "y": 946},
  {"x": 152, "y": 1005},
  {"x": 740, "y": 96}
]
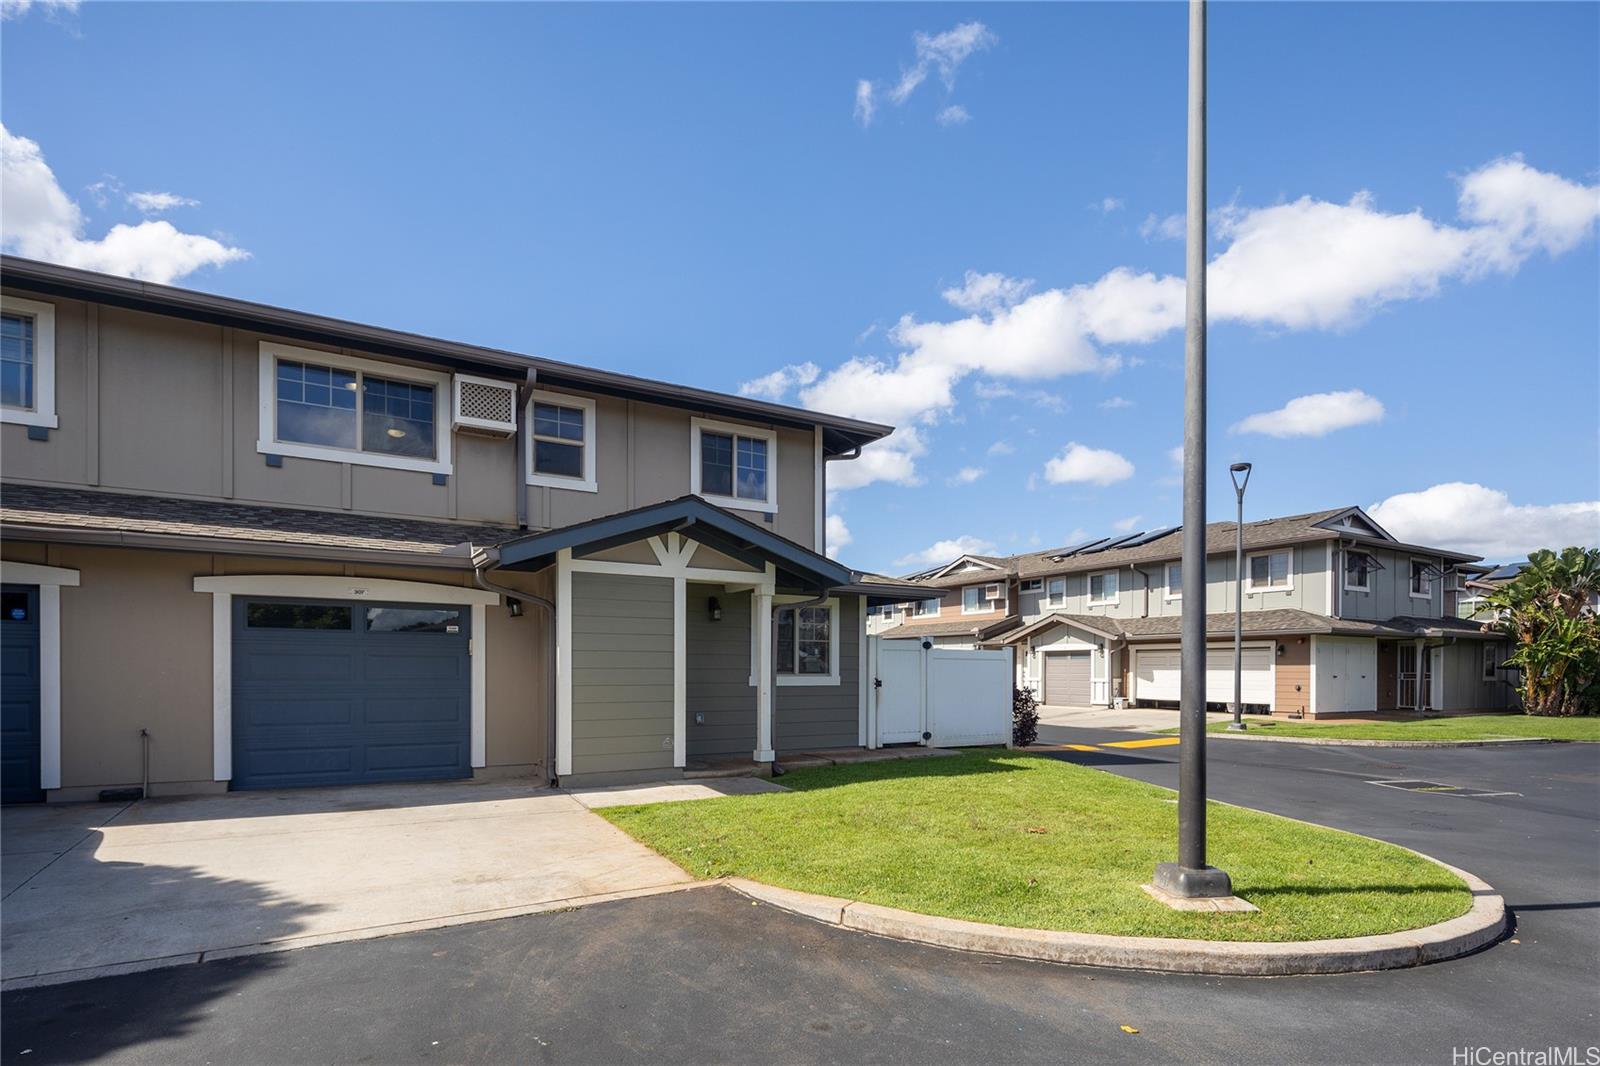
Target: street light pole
[
  {"x": 1239, "y": 483},
  {"x": 1190, "y": 877}
]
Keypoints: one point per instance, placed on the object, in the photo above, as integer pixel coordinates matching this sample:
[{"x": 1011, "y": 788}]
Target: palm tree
[{"x": 1548, "y": 611}]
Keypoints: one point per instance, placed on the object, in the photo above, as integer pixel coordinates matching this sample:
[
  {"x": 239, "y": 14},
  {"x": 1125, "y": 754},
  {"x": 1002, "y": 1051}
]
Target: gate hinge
[{"x": 877, "y": 682}]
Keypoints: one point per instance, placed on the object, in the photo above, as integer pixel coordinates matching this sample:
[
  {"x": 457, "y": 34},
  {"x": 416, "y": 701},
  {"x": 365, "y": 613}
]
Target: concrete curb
[
  {"x": 188, "y": 958},
  {"x": 1356, "y": 743},
  {"x": 1481, "y": 926}
]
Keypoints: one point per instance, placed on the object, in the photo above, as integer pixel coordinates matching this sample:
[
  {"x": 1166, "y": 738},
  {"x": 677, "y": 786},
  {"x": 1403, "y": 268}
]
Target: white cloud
[
  {"x": 1316, "y": 415},
  {"x": 987, "y": 292},
  {"x": 1116, "y": 403},
  {"x": 1001, "y": 447},
  {"x": 966, "y": 475},
  {"x": 42, "y": 222},
  {"x": 1168, "y": 228},
  {"x": 1081, "y": 463},
  {"x": 154, "y": 203},
  {"x": 944, "y": 52},
  {"x": 1126, "y": 525},
  {"x": 892, "y": 459},
  {"x": 1484, "y": 521},
  {"x": 1109, "y": 204},
  {"x": 776, "y": 385},
  {"x": 954, "y": 115},
  {"x": 945, "y": 551},
  {"x": 13, "y": 9},
  {"x": 866, "y": 105},
  {"x": 837, "y": 536},
  {"x": 1175, "y": 455},
  {"x": 1305, "y": 264}
]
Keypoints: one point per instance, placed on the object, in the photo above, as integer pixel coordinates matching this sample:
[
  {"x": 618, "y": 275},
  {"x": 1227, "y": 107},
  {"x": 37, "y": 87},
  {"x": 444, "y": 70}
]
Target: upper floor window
[
  {"x": 1055, "y": 594},
  {"x": 1174, "y": 581},
  {"x": 1357, "y": 572},
  {"x": 561, "y": 441},
  {"x": 733, "y": 465},
  {"x": 1270, "y": 570},
  {"x": 924, "y": 608},
  {"x": 979, "y": 599},
  {"x": 1422, "y": 573},
  {"x": 27, "y": 362},
  {"x": 1103, "y": 588},
  {"x": 1032, "y": 585},
  {"x": 318, "y": 405}
]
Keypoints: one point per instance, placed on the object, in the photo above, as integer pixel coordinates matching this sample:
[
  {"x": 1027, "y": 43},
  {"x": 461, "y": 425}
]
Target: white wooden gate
[{"x": 947, "y": 697}]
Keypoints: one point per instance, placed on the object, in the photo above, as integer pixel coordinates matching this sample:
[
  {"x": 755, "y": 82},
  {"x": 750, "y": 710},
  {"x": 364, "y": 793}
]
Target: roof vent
[{"x": 483, "y": 405}]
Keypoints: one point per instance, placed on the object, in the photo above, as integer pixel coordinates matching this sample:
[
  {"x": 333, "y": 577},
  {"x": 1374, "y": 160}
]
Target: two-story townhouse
[
  {"x": 249, "y": 547},
  {"x": 1339, "y": 617},
  {"x": 971, "y": 601}
]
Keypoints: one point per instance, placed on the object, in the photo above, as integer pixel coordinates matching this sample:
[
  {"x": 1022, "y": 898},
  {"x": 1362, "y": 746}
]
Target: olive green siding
[
  {"x": 621, "y": 673},
  {"x": 718, "y": 667}
]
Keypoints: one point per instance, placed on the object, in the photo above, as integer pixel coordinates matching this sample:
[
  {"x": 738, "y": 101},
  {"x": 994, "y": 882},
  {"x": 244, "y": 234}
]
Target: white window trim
[
  {"x": 1414, "y": 593},
  {"x": 43, "y": 411},
  {"x": 587, "y": 482},
  {"x": 1049, "y": 599},
  {"x": 990, "y": 609},
  {"x": 50, "y": 580},
  {"x": 734, "y": 503},
  {"x": 1166, "y": 576},
  {"x": 1089, "y": 589},
  {"x": 917, "y": 606},
  {"x": 812, "y": 680},
  {"x": 1287, "y": 586},
  {"x": 1344, "y": 565},
  {"x": 267, "y": 442}
]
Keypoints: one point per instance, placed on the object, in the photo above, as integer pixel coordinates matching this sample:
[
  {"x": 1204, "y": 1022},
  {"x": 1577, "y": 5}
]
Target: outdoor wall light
[
  {"x": 714, "y": 607},
  {"x": 1281, "y": 650},
  {"x": 515, "y": 606}
]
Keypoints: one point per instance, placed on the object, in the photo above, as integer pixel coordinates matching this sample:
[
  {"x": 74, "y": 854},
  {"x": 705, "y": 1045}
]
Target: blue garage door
[
  {"x": 335, "y": 692},
  {"x": 19, "y": 695}
]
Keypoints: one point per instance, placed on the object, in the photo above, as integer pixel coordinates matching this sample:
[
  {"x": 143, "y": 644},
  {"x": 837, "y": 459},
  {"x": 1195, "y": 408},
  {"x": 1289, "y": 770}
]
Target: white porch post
[
  {"x": 563, "y": 753},
  {"x": 680, "y": 674},
  {"x": 1421, "y": 672},
  {"x": 764, "y": 693}
]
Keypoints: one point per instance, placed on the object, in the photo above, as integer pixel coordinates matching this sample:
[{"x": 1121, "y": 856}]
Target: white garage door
[{"x": 1156, "y": 675}]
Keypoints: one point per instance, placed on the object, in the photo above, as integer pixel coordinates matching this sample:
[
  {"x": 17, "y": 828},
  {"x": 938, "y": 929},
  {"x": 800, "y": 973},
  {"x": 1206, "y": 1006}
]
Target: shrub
[
  {"x": 1546, "y": 611},
  {"x": 1024, "y": 717}
]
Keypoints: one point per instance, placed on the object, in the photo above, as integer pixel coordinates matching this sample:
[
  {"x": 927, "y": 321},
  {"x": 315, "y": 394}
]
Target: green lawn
[
  {"x": 1461, "y": 727},
  {"x": 1025, "y": 840}
]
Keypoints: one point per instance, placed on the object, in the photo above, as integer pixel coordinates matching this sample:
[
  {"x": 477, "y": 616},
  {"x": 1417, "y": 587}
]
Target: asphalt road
[{"x": 706, "y": 976}]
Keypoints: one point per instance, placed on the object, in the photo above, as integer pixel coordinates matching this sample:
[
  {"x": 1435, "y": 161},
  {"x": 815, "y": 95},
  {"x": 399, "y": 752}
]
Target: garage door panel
[
  {"x": 415, "y": 666},
  {"x": 1066, "y": 678},
  {"x": 295, "y": 713},
  {"x": 1157, "y": 675},
  {"x": 318, "y": 706},
  {"x": 285, "y": 665},
  {"x": 401, "y": 711}
]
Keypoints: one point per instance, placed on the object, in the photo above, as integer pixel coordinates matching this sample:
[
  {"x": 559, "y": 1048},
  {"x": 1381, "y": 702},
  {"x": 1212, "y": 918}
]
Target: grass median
[
  {"x": 1458, "y": 727},
  {"x": 1029, "y": 841}
]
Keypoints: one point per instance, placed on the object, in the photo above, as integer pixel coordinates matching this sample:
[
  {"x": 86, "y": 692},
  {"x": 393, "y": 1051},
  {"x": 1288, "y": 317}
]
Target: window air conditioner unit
[
  {"x": 486, "y": 406},
  {"x": 991, "y": 592}
]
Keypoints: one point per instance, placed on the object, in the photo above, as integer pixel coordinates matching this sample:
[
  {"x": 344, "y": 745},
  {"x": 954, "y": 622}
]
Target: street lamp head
[{"x": 1240, "y": 482}]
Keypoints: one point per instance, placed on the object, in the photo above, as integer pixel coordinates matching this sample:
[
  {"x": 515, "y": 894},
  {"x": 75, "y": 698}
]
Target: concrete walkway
[
  {"x": 1139, "y": 719},
  {"x": 95, "y": 888}
]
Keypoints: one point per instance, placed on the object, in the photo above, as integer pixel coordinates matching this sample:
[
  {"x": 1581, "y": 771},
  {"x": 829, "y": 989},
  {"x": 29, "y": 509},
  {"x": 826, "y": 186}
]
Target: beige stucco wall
[{"x": 136, "y": 654}]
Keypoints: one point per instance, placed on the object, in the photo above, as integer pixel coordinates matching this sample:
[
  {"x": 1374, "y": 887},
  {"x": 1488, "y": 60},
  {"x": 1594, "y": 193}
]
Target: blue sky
[{"x": 695, "y": 193}]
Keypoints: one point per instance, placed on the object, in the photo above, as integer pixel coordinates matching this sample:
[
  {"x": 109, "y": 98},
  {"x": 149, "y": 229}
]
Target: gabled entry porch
[{"x": 686, "y": 633}]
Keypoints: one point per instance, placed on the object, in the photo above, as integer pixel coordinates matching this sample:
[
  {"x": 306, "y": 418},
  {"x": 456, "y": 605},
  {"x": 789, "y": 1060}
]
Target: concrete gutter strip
[
  {"x": 1356, "y": 743},
  {"x": 1482, "y": 925}
]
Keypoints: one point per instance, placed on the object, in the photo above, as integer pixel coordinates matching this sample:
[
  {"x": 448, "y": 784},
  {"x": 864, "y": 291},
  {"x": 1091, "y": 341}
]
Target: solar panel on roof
[
  {"x": 1118, "y": 542},
  {"x": 1146, "y": 538}
]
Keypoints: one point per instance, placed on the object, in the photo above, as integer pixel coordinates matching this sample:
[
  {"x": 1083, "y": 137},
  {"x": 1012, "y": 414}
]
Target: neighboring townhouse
[
  {"x": 1339, "y": 617},
  {"x": 248, "y": 547},
  {"x": 970, "y": 601}
]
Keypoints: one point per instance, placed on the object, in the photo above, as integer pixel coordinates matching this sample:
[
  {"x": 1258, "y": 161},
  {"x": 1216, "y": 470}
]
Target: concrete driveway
[{"x": 97, "y": 888}]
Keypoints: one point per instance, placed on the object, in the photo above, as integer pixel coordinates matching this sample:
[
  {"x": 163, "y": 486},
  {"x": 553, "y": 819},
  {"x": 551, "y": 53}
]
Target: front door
[{"x": 19, "y": 695}]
